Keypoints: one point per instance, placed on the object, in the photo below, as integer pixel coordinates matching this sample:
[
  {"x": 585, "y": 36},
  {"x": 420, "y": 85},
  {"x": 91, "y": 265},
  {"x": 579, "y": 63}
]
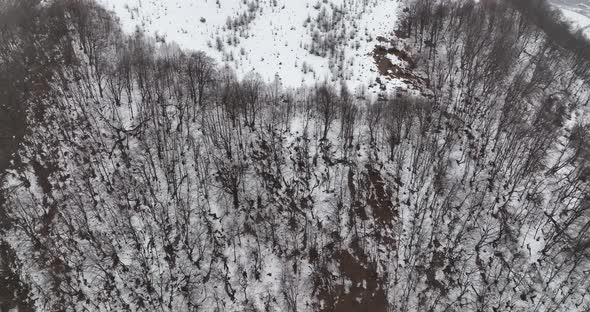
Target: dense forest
[{"x": 137, "y": 176}]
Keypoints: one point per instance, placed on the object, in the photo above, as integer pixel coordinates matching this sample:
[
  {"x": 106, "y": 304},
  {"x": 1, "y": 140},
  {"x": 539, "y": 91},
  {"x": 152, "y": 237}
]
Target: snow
[
  {"x": 577, "y": 20},
  {"x": 274, "y": 39}
]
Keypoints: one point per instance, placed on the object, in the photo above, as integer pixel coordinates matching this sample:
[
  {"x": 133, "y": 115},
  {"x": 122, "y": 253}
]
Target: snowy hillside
[
  {"x": 578, "y": 21},
  {"x": 575, "y": 12},
  {"x": 218, "y": 158},
  {"x": 299, "y": 41}
]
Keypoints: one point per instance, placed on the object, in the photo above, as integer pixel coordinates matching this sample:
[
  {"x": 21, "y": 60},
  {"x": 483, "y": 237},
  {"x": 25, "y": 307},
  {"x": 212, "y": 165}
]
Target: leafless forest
[{"x": 137, "y": 176}]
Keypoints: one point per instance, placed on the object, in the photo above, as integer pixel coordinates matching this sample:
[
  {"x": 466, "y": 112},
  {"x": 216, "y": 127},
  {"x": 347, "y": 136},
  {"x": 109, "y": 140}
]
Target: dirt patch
[
  {"x": 357, "y": 207},
  {"x": 379, "y": 199},
  {"x": 400, "y": 54},
  {"x": 404, "y": 72},
  {"x": 43, "y": 173},
  {"x": 358, "y": 288},
  {"x": 375, "y": 195},
  {"x": 357, "y": 285}
]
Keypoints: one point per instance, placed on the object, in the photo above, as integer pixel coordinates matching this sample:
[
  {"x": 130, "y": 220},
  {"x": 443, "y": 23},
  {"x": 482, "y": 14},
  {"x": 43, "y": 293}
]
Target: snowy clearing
[{"x": 300, "y": 42}]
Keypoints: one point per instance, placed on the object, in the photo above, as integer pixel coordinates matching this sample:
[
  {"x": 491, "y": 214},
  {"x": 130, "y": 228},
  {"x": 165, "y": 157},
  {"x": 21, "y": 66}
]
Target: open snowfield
[
  {"x": 276, "y": 38},
  {"x": 576, "y": 12},
  {"x": 577, "y": 20}
]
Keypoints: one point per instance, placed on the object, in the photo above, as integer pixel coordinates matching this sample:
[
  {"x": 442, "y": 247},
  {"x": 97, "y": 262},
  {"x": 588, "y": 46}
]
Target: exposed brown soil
[
  {"x": 357, "y": 206},
  {"x": 393, "y": 71},
  {"x": 380, "y": 199},
  {"x": 365, "y": 290},
  {"x": 43, "y": 173}
]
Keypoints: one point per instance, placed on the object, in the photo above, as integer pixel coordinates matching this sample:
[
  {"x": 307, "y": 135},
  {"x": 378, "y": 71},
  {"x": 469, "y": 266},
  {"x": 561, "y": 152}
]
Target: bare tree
[
  {"x": 201, "y": 73},
  {"x": 326, "y": 101}
]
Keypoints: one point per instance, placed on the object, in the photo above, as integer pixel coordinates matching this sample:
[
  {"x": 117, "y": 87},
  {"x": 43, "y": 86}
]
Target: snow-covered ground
[
  {"x": 577, "y": 20},
  {"x": 272, "y": 37},
  {"x": 576, "y": 12}
]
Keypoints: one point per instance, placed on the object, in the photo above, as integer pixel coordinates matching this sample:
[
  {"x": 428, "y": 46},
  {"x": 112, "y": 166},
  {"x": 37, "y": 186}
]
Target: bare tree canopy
[{"x": 138, "y": 176}]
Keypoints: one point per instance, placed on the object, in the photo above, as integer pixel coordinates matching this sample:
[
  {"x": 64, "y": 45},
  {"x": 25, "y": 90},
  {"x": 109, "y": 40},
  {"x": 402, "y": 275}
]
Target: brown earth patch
[
  {"x": 357, "y": 285},
  {"x": 365, "y": 287},
  {"x": 393, "y": 71},
  {"x": 380, "y": 199}
]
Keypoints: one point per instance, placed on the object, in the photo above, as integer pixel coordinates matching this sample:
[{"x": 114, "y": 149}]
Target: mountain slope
[
  {"x": 152, "y": 178},
  {"x": 299, "y": 41}
]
